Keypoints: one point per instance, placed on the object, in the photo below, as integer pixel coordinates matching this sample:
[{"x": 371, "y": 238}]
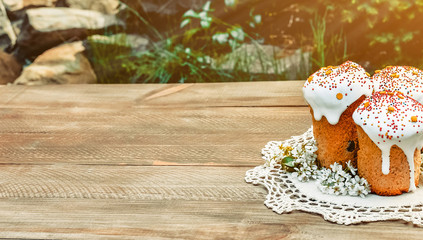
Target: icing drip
[
  {"x": 331, "y": 90},
  {"x": 385, "y": 160},
  {"x": 406, "y": 79},
  {"x": 390, "y": 118}
]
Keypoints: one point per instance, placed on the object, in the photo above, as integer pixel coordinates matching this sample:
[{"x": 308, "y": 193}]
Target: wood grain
[
  {"x": 205, "y": 136},
  {"x": 54, "y": 201},
  {"x": 152, "y": 162},
  {"x": 127, "y": 182},
  {"x": 287, "y": 93},
  {"x": 177, "y": 219}
]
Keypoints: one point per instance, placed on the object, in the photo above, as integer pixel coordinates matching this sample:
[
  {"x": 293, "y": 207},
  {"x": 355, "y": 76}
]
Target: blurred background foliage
[
  {"x": 259, "y": 40},
  {"x": 378, "y": 32}
]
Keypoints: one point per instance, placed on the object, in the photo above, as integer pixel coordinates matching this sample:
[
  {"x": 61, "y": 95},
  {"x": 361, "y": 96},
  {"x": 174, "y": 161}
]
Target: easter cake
[
  {"x": 390, "y": 134},
  {"x": 333, "y": 93}
]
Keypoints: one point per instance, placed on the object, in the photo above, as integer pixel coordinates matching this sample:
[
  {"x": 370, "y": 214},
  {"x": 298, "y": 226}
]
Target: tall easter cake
[
  {"x": 333, "y": 94},
  {"x": 390, "y": 134}
]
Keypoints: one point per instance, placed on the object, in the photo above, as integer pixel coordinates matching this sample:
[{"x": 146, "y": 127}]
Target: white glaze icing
[
  {"x": 387, "y": 118},
  {"x": 406, "y": 79},
  {"x": 323, "y": 88}
]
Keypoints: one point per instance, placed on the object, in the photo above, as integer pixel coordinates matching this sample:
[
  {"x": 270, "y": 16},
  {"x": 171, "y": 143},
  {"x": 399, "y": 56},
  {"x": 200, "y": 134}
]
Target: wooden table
[{"x": 152, "y": 162}]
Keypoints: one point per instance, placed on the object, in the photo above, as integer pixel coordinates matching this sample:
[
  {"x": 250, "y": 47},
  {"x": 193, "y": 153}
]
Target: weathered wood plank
[
  {"x": 62, "y": 201},
  {"x": 179, "y": 219},
  {"x": 219, "y": 136},
  {"x": 127, "y": 182},
  {"x": 287, "y": 93}
]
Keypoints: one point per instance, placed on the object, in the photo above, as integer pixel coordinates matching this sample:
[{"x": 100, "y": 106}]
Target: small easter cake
[
  {"x": 406, "y": 79},
  {"x": 333, "y": 93},
  {"x": 390, "y": 133}
]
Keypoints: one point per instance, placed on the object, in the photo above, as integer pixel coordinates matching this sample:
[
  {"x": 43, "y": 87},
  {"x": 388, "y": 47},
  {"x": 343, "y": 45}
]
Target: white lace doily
[{"x": 287, "y": 194}]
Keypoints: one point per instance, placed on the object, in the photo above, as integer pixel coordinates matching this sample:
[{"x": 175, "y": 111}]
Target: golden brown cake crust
[
  {"x": 369, "y": 164},
  {"x": 337, "y": 143}
]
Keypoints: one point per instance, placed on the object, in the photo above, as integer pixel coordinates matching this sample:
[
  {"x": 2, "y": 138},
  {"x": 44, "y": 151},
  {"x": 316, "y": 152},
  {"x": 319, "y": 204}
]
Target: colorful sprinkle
[
  {"x": 366, "y": 104},
  {"x": 406, "y": 79}
]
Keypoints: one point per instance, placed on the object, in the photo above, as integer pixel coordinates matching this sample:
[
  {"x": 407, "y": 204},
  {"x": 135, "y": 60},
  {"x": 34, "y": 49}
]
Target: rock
[
  {"x": 103, "y": 6},
  {"x": 169, "y": 7},
  {"x": 135, "y": 42},
  {"x": 44, "y": 28},
  {"x": 16, "y": 8},
  {"x": 65, "y": 64},
  {"x": 266, "y": 59},
  {"x": 9, "y": 68},
  {"x": 17, "y": 25},
  {"x": 17, "y": 5},
  {"x": 7, "y": 35},
  {"x": 13, "y": 5}
]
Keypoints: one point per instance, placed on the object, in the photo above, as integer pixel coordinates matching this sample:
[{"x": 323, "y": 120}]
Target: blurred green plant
[
  {"x": 202, "y": 53},
  {"x": 107, "y": 54},
  {"x": 386, "y": 31},
  {"x": 171, "y": 63},
  {"x": 329, "y": 49},
  {"x": 187, "y": 58},
  {"x": 205, "y": 48}
]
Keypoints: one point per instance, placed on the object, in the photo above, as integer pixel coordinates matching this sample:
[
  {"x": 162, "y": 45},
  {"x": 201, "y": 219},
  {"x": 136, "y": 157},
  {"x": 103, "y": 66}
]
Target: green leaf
[
  {"x": 206, "y": 6},
  {"x": 203, "y": 15},
  {"x": 169, "y": 42},
  {"x": 190, "y": 13},
  {"x": 372, "y": 11},
  {"x": 230, "y": 3},
  {"x": 361, "y": 7},
  {"x": 382, "y": 38},
  {"x": 189, "y": 34},
  {"x": 385, "y": 19},
  {"x": 371, "y": 23},
  {"x": 221, "y": 38},
  {"x": 205, "y": 23},
  {"x": 347, "y": 16},
  {"x": 407, "y": 37},
  {"x": 238, "y": 34},
  {"x": 288, "y": 161},
  {"x": 257, "y": 18},
  {"x": 368, "y": 9},
  {"x": 185, "y": 22},
  {"x": 403, "y": 5}
]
